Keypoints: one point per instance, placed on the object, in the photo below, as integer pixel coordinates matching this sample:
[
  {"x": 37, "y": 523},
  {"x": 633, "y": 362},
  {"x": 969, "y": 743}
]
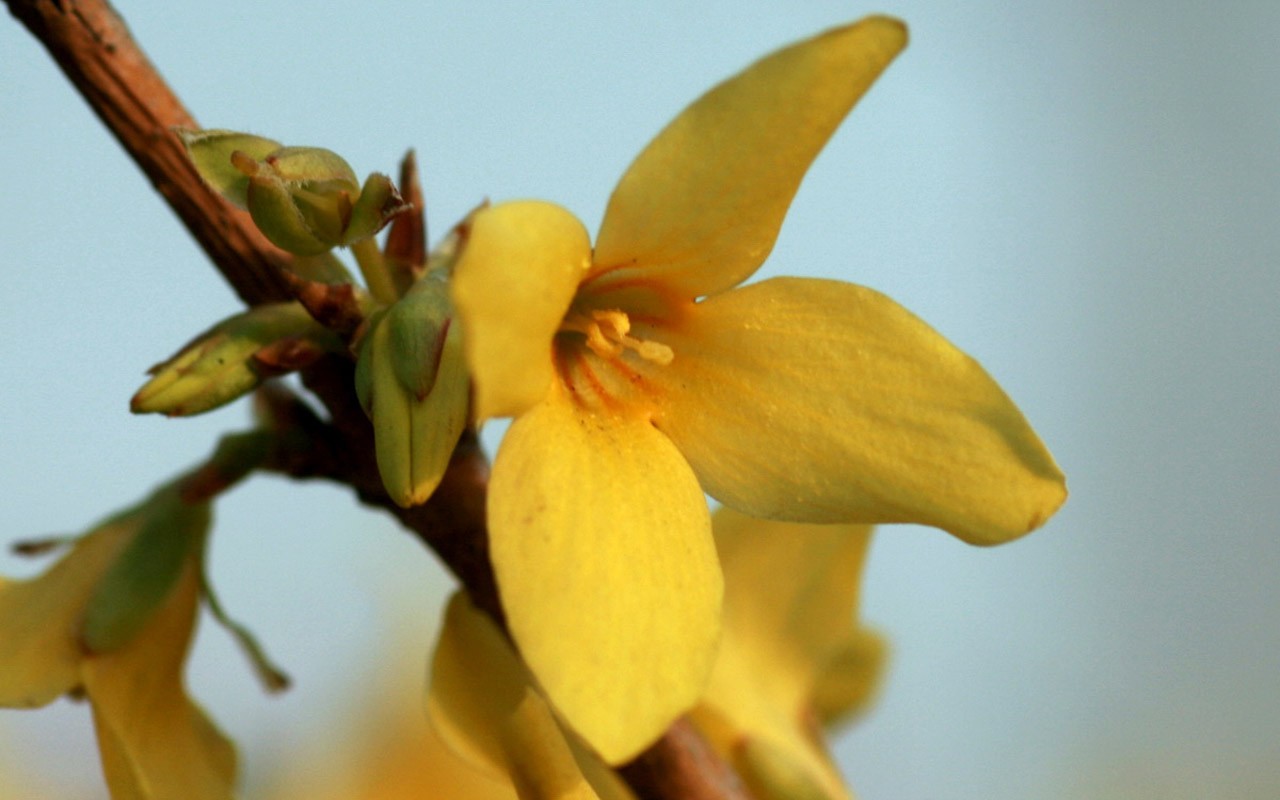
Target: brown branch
[{"x": 91, "y": 44}]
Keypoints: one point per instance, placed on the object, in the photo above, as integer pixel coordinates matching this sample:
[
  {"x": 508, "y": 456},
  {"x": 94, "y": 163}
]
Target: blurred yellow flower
[
  {"x": 484, "y": 704},
  {"x": 114, "y": 619},
  {"x": 793, "y": 657},
  {"x": 640, "y": 376}
]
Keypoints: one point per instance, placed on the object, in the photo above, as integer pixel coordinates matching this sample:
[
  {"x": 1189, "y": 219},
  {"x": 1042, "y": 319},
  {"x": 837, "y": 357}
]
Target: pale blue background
[{"x": 1085, "y": 196}]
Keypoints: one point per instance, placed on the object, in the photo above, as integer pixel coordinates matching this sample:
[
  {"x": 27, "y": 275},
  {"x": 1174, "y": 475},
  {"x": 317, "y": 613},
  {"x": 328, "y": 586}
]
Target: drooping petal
[
  {"x": 155, "y": 742},
  {"x": 791, "y": 594},
  {"x": 820, "y": 401},
  {"x": 601, "y": 545},
  {"x": 701, "y": 206},
  {"x": 513, "y": 283},
  {"x": 483, "y": 703},
  {"x": 39, "y": 654}
]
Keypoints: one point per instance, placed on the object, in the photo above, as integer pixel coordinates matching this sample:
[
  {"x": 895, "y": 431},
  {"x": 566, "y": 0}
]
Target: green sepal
[
  {"x": 313, "y": 167},
  {"x": 276, "y": 211},
  {"x": 210, "y": 151},
  {"x": 417, "y": 326},
  {"x": 219, "y": 365},
  {"x": 364, "y": 361},
  {"x": 378, "y": 203},
  {"x": 137, "y": 584}
]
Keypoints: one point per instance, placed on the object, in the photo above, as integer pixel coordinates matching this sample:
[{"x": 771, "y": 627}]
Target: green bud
[
  {"x": 277, "y": 212},
  {"x": 379, "y": 202},
  {"x": 313, "y": 168},
  {"x": 418, "y": 326},
  {"x": 169, "y": 531},
  {"x": 412, "y": 381},
  {"x": 231, "y": 359},
  {"x": 306, "y": 200},
  {"x": 210, "y": 151}
]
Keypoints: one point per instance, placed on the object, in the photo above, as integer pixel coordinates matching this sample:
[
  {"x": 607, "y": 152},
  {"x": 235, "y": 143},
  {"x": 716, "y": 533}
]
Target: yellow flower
[
  {"x": 114, "y": 619},
  {"x": 792, "y": 658},
  {"x": 640, "y": 376},
  {"x": 483, "y": 702}
]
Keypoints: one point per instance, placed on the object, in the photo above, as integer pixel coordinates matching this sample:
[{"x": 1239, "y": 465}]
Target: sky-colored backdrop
[{"x": 1085, "y": 196}]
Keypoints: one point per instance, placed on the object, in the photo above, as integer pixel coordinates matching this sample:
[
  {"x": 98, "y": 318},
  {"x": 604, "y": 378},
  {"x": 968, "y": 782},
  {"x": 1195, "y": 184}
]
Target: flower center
[{"x": 608, "y": 336}]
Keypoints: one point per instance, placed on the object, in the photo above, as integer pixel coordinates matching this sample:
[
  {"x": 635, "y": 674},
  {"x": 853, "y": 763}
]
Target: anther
[{"x": 607, "y": 336}]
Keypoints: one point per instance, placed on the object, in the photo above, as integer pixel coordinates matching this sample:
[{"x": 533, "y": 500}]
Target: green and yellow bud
[
  {"x": 210, "y": 152},
  {"x": 412, "y": 381},
  {"x": 232, "y": 358},
  {"x": 306, "y": 200}
]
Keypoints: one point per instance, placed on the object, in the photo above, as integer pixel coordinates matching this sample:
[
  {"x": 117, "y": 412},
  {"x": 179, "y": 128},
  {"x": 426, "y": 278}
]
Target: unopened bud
[
  {"x": 306, "y": 200},
  {"x": 221, "y": 364},
  {"x": 412, "y": 381},
  {"x": 210, "y": 152}
]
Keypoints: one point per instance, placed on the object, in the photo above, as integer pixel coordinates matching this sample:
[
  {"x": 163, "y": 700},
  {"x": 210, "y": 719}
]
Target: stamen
[{"x": 607, "y": 336}]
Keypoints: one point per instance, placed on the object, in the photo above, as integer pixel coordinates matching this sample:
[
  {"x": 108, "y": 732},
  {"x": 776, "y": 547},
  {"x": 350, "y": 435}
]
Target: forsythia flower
[
  {"x": 638, "y": 376},
  {"x": 792, "y": 658},
  {"x": 114, "y": 619}
]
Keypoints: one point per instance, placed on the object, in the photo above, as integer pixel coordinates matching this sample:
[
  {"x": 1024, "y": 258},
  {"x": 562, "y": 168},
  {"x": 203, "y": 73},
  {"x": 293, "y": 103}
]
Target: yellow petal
[
  {"x": 779, "y": 644},
  {"x": 821, "y": 401},
  {"x": 700, "y": 208},
  {"x": 849, "y": 680},
  {"x": 39, "y": 652},
  {"x": 156, "y": 743},
  {"x": 418, "y": 768},
  {"x": 477, "y": 682},
  {"x": 601, "y": 545},
  {"x": 483, "y": 703},
  {"x": 813, "y": 573},
  {"x": 513, "y": 283}
]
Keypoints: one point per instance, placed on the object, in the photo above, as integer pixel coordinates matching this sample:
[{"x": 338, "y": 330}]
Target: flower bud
[
  {"x": 306, "y": 200},
  {"x": 210, "y": 152},
  {"x": 412, "y": 381},
  {"x": 232, "y": 358}
]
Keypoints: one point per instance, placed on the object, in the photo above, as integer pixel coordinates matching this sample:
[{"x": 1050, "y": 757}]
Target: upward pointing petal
[
  {"x": 701, "y": 206},
  {"x": 513, "y": 283}
]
